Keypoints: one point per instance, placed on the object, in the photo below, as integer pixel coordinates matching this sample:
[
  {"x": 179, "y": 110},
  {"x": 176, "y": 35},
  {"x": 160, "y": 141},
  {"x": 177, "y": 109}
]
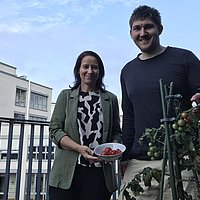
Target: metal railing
[
  {"x": 26, "y": 156},
  {"x": 21, "y": 136}
]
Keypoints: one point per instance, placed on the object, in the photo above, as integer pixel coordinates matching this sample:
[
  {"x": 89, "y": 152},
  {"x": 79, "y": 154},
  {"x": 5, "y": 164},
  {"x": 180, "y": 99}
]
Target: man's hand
[
  {"x": 196, "y": 101},
  {"x": 122, "y": 168},
  {"x": 196, "y": 98}
]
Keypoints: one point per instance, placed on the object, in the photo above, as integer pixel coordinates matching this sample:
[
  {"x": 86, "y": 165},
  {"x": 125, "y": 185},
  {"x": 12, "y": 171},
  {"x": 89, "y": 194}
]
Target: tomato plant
[{"x": 185, "y": 134}]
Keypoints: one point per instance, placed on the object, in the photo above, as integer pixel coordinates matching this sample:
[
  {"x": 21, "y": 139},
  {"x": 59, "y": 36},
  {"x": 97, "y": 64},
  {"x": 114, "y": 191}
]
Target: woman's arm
[{"x": 67, "y": 143}]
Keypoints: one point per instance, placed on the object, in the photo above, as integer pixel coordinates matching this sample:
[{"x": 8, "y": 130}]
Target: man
[{"x": 141, "y": 99}]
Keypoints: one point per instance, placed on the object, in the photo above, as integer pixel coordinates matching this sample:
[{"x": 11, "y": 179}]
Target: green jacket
[{"x": 64, "y": 121}]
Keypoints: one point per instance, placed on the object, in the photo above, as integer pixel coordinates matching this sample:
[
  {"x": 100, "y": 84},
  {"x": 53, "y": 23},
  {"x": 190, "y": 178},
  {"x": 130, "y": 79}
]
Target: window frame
[
  {"x": 38, "y": 101},
  {"x": 20, "y": 97}
]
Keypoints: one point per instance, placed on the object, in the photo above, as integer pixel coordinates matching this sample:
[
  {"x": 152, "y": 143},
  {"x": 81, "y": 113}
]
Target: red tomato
[
  {"x": 110, "y": 151},
  {"x": 103, "y": 152},
  {"x": 118, "y": 151},
  {"x": 107, "y": 149}
]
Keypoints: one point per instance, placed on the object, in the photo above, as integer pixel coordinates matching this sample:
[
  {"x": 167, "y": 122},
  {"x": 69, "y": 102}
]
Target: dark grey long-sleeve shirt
[{"x": 141, "y": 99}]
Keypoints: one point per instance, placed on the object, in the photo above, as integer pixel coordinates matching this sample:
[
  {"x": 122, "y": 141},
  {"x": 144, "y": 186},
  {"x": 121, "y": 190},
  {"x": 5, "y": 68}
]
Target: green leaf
[
  {"x": 147, "y": 177},
  {"x": 127, "y": 195},
  {"x": 156, "y": 174}
]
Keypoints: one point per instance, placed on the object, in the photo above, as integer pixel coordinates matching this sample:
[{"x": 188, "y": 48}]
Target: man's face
[{"x": 145, "y": 34}]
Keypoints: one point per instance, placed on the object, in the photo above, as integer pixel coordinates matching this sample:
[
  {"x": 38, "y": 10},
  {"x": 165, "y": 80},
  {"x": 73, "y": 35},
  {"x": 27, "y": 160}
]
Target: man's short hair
[{"x": 144, "y": 12}]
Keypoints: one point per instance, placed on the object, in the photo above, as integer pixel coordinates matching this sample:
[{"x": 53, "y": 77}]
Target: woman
[{"x": 84, "y": 116}]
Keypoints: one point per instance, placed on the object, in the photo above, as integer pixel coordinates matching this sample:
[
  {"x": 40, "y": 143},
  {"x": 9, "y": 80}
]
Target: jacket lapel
[{"x": 105, "y": 103}]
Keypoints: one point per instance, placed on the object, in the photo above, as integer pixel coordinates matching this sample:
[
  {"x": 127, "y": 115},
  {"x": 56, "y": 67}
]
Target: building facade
[{"x": 21, "y": 99}]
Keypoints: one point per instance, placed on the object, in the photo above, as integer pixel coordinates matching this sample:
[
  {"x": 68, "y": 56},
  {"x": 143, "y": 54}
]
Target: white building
[{"x": 22, "y": 99}]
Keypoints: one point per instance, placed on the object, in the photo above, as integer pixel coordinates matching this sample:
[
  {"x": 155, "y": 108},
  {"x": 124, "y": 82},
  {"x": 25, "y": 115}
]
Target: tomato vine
[{"x": 185, "y": 134}]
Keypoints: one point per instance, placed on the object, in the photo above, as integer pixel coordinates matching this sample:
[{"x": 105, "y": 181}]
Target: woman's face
[{"x": 89, "y": 71}]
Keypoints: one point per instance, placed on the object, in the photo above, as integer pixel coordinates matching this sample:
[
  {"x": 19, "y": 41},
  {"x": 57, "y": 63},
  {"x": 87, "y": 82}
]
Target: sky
[{"x": 43, "y": 38}]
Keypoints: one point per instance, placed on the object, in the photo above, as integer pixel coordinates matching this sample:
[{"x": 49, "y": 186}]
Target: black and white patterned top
[{"x": 90, "y": 122}]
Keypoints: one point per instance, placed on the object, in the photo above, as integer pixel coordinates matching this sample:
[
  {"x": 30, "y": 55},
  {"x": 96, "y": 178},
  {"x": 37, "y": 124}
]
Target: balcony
[{"x": 26, "y": 157}]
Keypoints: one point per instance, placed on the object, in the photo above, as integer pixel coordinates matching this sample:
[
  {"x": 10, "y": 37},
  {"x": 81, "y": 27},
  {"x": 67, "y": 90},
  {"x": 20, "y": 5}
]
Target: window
[
  {"x": 31, "y": 117},
  {"x": 19, "y": 116},
  {"x": 38, "y": 102},
  {"x": 13, "y": 155},
  {"x": 20, "y": 98}
]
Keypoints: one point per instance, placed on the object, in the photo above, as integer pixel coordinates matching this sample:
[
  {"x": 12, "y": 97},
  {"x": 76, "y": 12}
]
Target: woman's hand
[
  {"x": 87, "y": 153},
  {"x": 67, "y": 143}
]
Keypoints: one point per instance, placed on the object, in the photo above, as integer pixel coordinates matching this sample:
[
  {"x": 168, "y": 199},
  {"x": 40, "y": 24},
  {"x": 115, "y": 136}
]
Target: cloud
[
  {"x": 127, "y": 3},
  {"x": 41, "y": 15},
  {"x": 31, "y": 16}
]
